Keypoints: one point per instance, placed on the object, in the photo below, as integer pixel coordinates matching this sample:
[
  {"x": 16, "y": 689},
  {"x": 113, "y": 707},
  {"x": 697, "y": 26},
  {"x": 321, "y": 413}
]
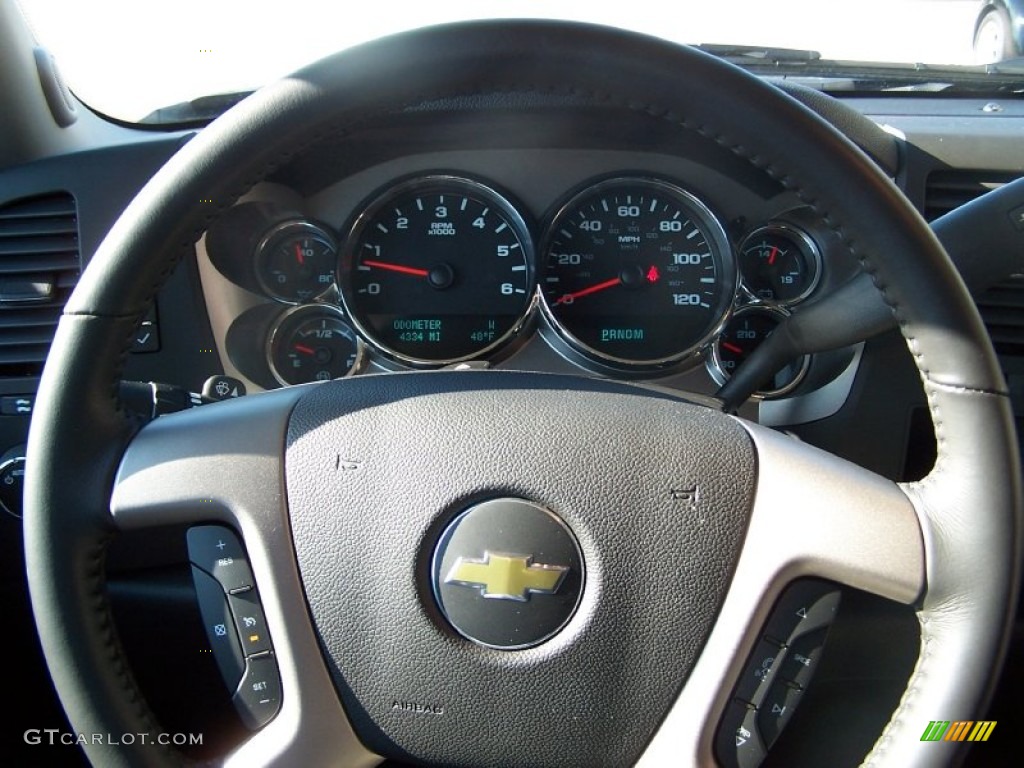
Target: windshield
[{"x": 128, "y": 59}]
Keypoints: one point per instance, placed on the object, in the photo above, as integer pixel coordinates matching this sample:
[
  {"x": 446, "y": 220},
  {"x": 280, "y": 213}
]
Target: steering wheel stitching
[{"x": 949, "y": 544}]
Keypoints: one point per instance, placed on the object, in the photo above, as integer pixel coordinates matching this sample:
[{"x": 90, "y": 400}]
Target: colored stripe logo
[{"x": 958, "y": 730}]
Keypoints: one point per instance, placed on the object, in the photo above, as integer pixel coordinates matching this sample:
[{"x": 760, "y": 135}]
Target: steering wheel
[{"x": 343, "y": 491}]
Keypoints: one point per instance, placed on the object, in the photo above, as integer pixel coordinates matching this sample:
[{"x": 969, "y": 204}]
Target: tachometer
[
  {"x": 636, "y": 273},
  {"x": 438, "y": 270}
]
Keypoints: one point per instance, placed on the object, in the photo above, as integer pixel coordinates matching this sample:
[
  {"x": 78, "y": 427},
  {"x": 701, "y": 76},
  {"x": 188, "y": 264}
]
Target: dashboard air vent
[
  {"x": 39, "y": 265},
  {"x": 1002, "y": 309},
  {"x": 1002, "y": 306},
  {"x": 946, "y": 190}
]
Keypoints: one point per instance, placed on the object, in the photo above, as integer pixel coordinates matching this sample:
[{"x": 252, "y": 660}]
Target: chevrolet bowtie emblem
[{"x": 507, "y": 577}]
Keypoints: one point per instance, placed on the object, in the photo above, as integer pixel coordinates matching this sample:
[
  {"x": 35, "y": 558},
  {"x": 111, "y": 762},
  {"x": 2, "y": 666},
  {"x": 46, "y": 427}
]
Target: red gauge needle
[
  {"x": 304, "y": 349},
  {"x": 570, "y": 297},
  {"x": 732, "y": 348},
  {"x": 772, "y": 255},
  {"x": 298, "y": 254},
  {"x": 397, "y": 268}
]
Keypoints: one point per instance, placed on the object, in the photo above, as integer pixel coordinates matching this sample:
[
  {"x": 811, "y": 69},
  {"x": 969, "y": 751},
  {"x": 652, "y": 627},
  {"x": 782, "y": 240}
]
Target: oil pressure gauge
[
  {"x": 295, "y": 262},
  {"x": 779, "y": 264}
]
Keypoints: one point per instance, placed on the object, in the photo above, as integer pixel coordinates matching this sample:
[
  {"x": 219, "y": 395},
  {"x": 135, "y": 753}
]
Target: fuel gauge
[
  {"x": 779, "y": 264},
  {"x": 313, "y": 343},
  {"x": 747, "y": 328}
]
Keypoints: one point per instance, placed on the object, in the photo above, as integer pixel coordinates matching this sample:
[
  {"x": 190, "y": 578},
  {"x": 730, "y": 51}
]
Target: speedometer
[
  {"x": 438, "y": 270},
  {"x": 636, "y": 273}
]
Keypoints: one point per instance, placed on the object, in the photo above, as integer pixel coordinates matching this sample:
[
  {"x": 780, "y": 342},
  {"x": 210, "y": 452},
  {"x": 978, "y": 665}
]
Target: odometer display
[
  {"x": 636, "y": 273},
  {"x": 438, "y": 270}
]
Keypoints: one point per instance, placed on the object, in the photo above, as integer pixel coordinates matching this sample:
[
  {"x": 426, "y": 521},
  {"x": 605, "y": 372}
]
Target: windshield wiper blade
[
  {"x": 744, "y": 55},
  {"x": 1014, "y": 66},
  {"x": 1001, "y": 77}
]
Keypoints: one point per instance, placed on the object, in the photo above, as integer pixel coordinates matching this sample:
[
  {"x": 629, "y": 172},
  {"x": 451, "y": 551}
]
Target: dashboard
[
  {"x": 523, "y": 238},
  {"x": 622, "y": 264}
]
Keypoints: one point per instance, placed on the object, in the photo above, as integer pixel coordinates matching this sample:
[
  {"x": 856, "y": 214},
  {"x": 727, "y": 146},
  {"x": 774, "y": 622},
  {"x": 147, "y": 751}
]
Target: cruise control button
[
  {"x": 802, "y": 658},
  {"x": 220, "y": 627},
  {"x": 737, "y": 744},
  {"x": 753, "y": 683},
  {"x": 251, "y": 624},
  {"x": 259, "y": 696},
  {"x": 776, "y": 710},
  {"x": 217, "y": 550}
]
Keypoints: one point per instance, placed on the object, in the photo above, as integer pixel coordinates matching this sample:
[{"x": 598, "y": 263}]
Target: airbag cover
[{"x": 656, "y": 490}]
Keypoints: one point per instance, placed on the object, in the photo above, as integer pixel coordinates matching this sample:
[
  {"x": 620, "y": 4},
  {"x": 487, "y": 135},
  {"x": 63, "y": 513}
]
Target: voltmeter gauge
[
  {"x": 295, "y": 262},
  {"x": 313, "y": 343},
  {"x": 779, "y": 264},
  {"x": 746, "y": 329}
]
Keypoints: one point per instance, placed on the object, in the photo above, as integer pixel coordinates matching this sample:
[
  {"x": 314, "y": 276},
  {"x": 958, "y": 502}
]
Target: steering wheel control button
[
  {"x": 777, "y": 709},
  {"x": 756, "y": 678},
  {"x": 235, "y": 624},
  {"x": 778, "y": 670},
  {"x": 258, "y": 698},
  {"x": 220, "y": 627},
  {"x": 507, "y": 574},
  {"x": 738, "y": 744},
  {"x": 805, "y": 606},
  {"x": 217, "y": 550},
  {"x": 802, "y": 658},
  {"x": 249, "y": 621}
]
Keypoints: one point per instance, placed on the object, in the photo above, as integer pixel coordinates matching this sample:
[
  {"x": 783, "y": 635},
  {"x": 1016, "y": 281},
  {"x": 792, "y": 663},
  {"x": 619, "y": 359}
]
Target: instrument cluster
[{"x": 627, "y": 275}]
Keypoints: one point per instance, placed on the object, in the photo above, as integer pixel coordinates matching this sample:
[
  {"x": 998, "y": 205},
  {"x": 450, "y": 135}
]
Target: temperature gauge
[
  {"x": 313, "y": 343},
  {"x": 741, "y": 336},
  {"x": 295, "y": 262},
  {"x": 779, "y": 264}
]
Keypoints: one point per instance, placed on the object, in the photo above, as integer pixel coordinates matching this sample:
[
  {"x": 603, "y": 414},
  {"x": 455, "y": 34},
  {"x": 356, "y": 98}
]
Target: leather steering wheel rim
[{"x": 968, "y": 507}]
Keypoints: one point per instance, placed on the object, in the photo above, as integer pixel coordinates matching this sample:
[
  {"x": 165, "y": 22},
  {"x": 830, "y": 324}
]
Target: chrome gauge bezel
[
  {"x": 437, "y": 182},
  {"x": 716, "y": 367},
  {"x": 804, "y": 243},
  {"x": 313, "y": 309},
  {"x": 580, "y": 352},
  {"x": 267, "y": 241}
]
